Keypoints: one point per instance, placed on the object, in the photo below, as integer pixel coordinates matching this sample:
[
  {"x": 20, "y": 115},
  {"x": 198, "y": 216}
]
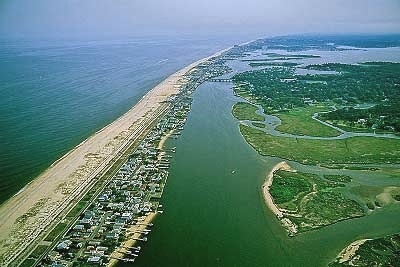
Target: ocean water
[{"x": 55, "y": 94}]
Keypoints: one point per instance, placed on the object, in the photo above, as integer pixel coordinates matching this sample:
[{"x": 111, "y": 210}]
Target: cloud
[{"x": 133, "y": 17}]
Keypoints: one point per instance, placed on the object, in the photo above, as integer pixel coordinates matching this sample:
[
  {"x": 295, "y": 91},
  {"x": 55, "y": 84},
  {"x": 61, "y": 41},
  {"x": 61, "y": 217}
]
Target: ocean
[{"x": 55, "y": 94}]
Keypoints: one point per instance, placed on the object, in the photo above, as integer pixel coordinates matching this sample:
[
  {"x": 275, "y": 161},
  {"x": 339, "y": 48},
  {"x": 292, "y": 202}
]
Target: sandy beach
[
  {"x": 134, "y": 233},
  {"x": 350, "y": 251},
  {"x": 30, "y": 212},
  {"x": 164, "y": 139}
]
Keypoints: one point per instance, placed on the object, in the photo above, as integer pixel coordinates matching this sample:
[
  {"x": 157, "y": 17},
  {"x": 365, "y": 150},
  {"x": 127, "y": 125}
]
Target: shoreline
[
  {"x": 27, "y": 214},
  {"x": 164, "y": 139},
  {"x": 132, "y": 240},
  {"x": 350, "y": 251},
  {"x": 290, "y": 227},
  {"x": 267, "y": 184},
  {"x": 149, "y": 218}
]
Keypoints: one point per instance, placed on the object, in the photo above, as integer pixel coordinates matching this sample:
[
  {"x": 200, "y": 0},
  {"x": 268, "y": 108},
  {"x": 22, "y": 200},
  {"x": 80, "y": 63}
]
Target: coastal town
[{"x": 117, "y": 220}]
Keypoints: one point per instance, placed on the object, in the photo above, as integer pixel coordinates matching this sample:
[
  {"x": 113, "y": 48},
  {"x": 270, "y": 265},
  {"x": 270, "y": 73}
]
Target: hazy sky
[{"x": 97, "y": 18}]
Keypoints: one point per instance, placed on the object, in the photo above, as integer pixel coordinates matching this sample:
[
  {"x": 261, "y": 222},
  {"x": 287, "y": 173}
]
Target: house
[
  {"x": 79, "y": 227},
  {"x": 64, "y": 245},
  {"x": 127, "y": 216},
  {"x": 95, "y": 260}
]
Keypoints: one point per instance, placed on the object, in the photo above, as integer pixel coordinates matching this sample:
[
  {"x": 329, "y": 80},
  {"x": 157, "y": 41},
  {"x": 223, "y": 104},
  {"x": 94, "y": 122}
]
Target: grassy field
[
  {"x": 246, "y": 111},
  {"x": 307, "y": 151},
  {"x": 299, "y": 121}
]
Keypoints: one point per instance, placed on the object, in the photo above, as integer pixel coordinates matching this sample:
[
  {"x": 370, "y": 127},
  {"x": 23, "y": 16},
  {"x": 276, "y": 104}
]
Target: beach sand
[
  {"x": 164, "y": 139},
  {"x": 27, "y": 214},
  {"x": 267, "y": 184},
  {"x": 131, "y": 242},
  {"x": 350, "y": 251},
  {"x": 287, "y": 224}
]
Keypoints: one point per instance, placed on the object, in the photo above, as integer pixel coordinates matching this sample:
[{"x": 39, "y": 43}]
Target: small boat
[{"x": 233, "y": 172}]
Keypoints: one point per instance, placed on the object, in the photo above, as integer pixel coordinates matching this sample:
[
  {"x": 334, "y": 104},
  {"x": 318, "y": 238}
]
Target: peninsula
[{"x": 335, "y": 121}]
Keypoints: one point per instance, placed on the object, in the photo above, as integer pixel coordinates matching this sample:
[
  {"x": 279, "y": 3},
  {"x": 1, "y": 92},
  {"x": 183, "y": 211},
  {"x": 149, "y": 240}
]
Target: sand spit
[
  {"x": 289, "y": 226},
  {"x": 27, "y": 214},
  {"x": 267, "y": 184}
]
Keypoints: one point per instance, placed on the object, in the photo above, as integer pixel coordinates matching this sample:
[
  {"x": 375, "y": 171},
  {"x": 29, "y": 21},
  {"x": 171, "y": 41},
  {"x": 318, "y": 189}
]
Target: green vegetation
[
  {"x": 258, "y": 124},
  {"x": 81, "y": 204},
  {"x": 271, "y": 64},
  {"x": 28, "y": 263},
  {"x": 299, "y": 121},
  {"x": 324, "y": 208},
  {"x": 297, "y": 56},
  {"x": 56, "y": 231},
  {"x": 352, "y": 85},
  {"x": 312, "y": 151},
  {"x": 39, "y": 250},
  {"x": 310, "y": 202},
  {"x": 383, "y": 252},
  {"x": 246, "y": 111},
  {"x": 383, "y": 117},
  {"x": 338, "y": 178},
  {"x": 280, "y": 57},
  {"x": 288, "y": 185}
]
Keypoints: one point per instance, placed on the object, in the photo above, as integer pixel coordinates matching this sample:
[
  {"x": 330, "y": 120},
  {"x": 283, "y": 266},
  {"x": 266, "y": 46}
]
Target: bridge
[{"x": 220, "y": 80}]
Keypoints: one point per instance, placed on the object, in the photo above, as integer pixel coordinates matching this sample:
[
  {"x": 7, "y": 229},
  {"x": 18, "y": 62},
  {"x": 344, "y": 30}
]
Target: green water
[{"x": 215, "y": 218}]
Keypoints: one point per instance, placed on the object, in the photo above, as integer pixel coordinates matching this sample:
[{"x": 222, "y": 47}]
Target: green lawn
[
  {"x": 308, "y": 151},
  {"x": 246, "y": 111},
  {"x": 299, "y": 121}
]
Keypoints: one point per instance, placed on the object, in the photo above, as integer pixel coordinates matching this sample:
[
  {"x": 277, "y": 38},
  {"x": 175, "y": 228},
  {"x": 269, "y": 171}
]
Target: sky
[{"x": 130, "y": 18}]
